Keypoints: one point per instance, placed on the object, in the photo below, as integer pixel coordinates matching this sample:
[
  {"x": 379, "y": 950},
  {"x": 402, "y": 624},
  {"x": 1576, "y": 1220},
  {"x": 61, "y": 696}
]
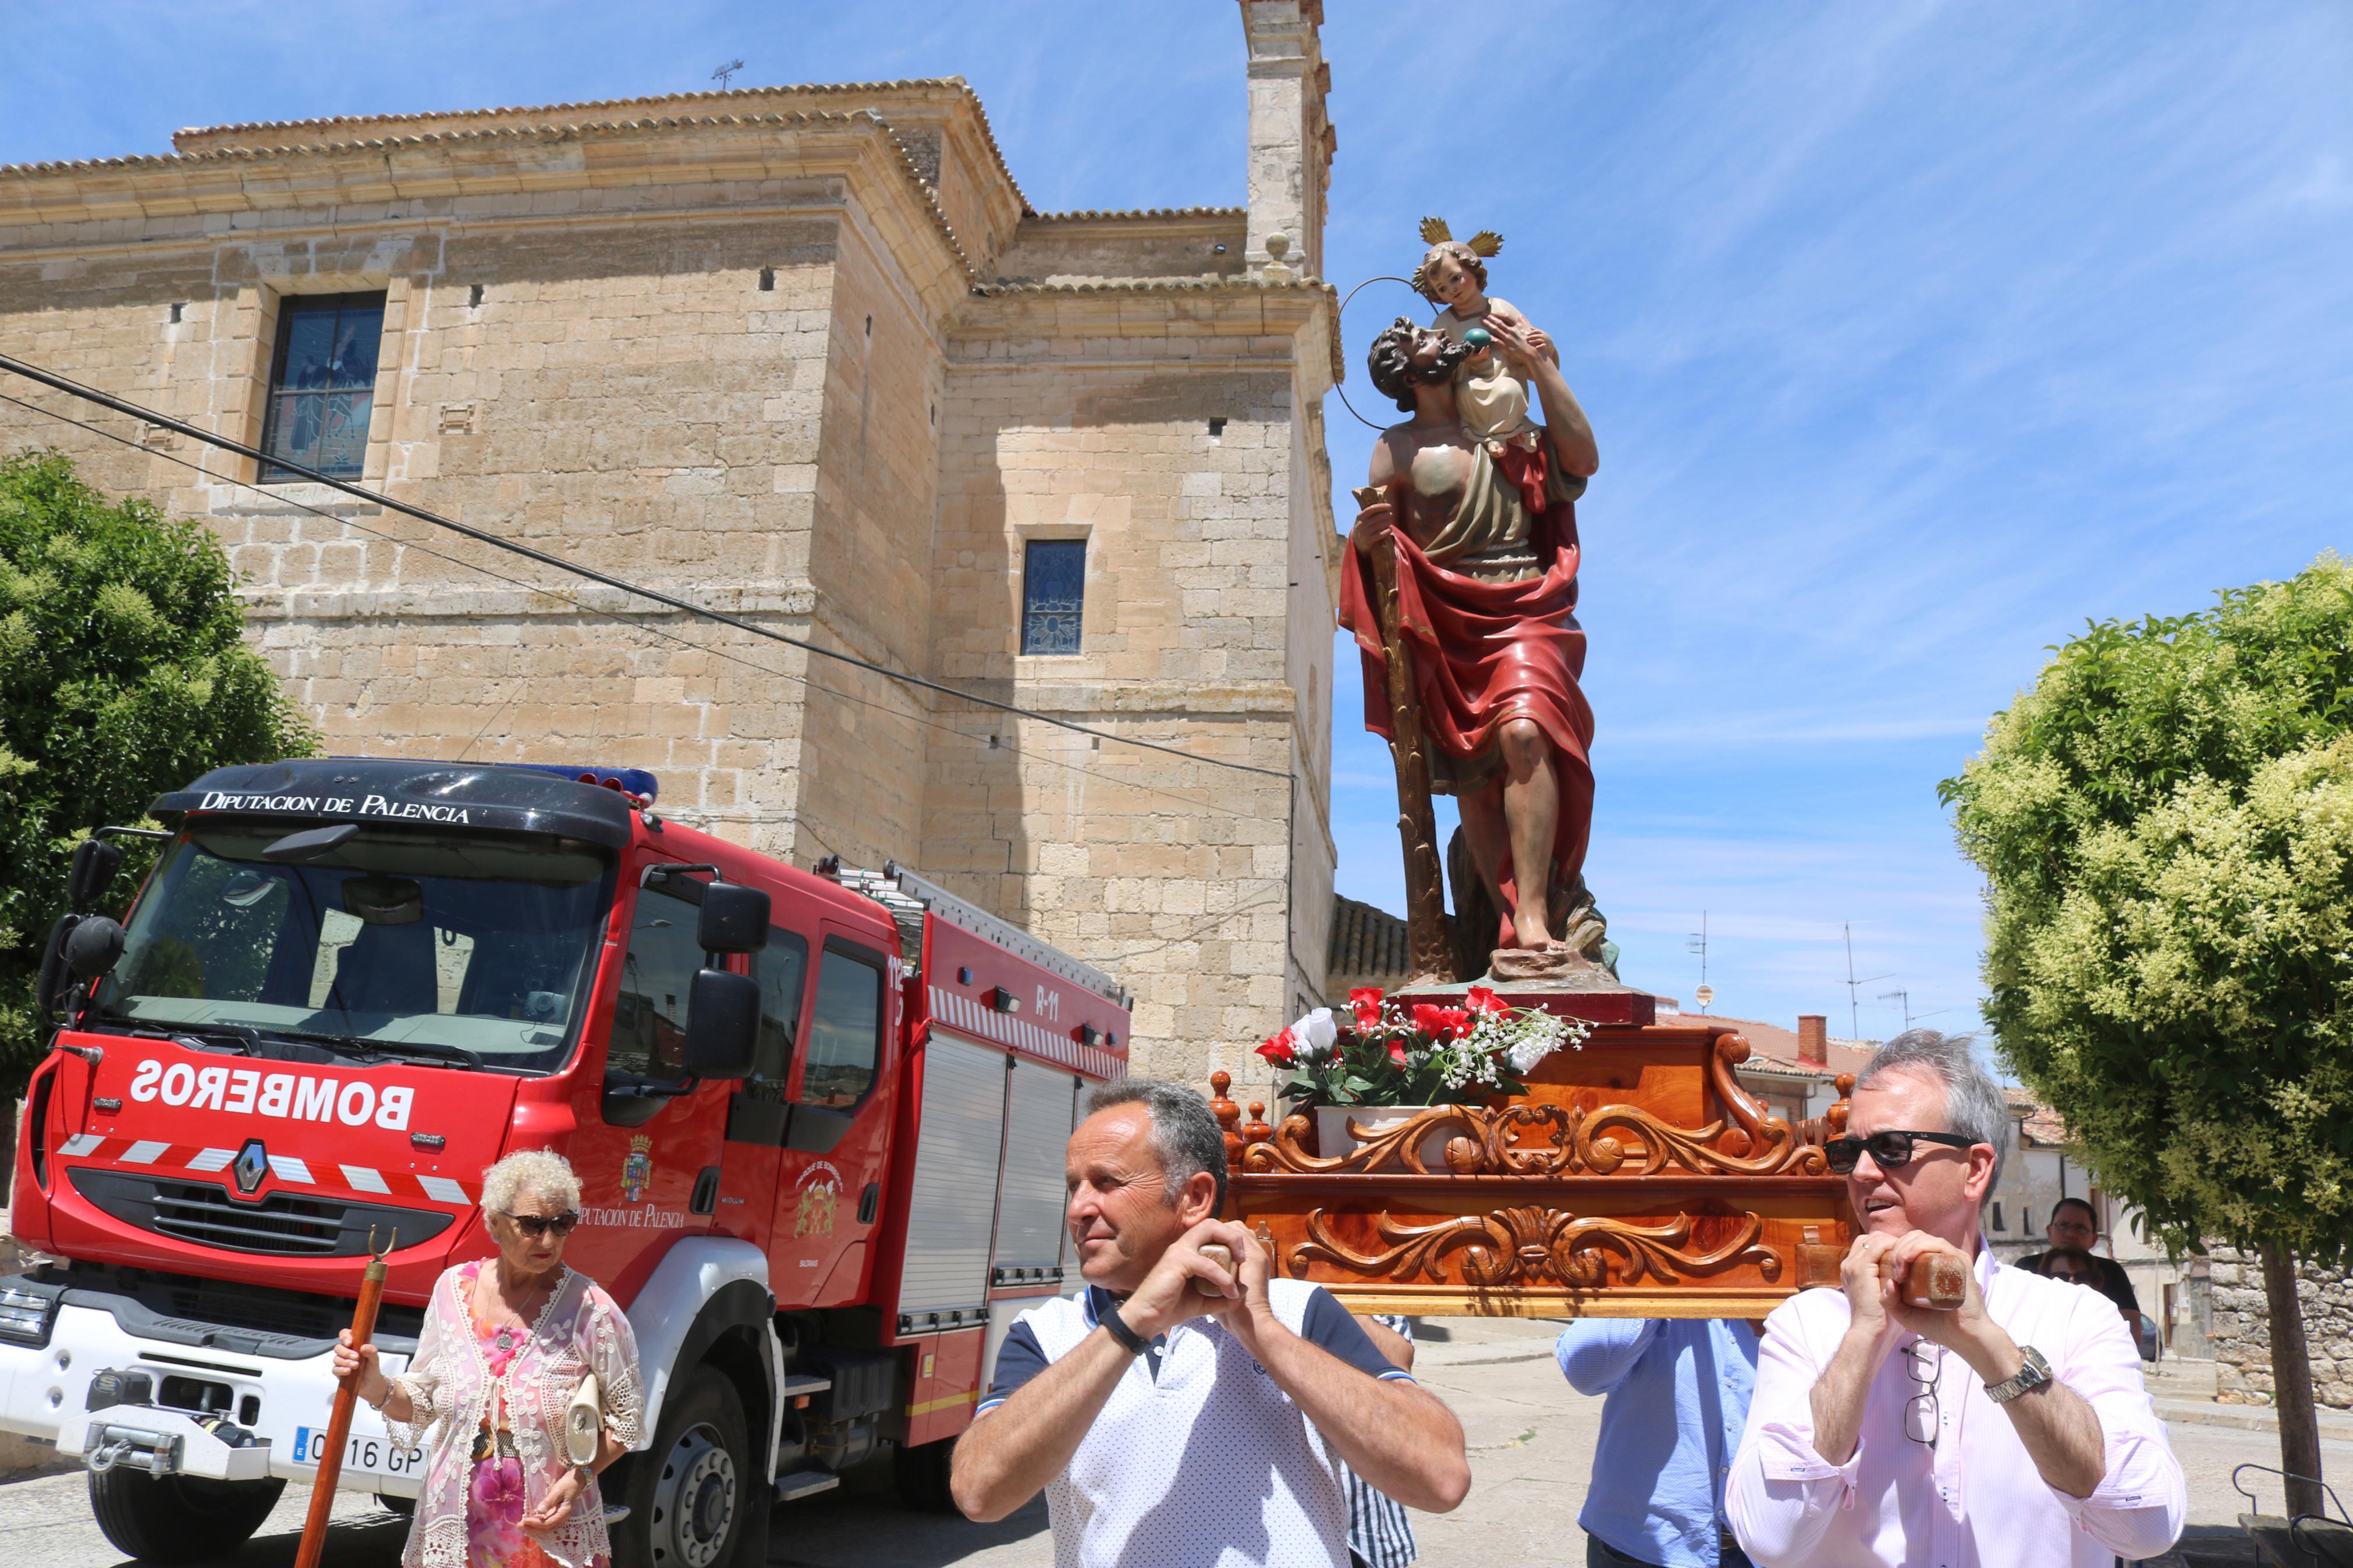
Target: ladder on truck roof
[{"x": 909, "y": 898}]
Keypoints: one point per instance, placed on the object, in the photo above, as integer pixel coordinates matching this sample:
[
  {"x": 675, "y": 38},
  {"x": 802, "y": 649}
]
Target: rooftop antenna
[
  {"x": 1698, "y": 945},
  {"x": 724, "y": 73},
  {"x": 1854, "y": 1007},
  {"x": 1905, "y": 998}
]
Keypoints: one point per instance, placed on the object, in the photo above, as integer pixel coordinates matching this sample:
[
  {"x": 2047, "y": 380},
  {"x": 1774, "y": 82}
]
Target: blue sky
[{"x": 1913, "y": 334}]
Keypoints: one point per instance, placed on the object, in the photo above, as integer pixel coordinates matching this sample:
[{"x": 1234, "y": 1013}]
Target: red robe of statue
[{"x": 1487, "y": 606}]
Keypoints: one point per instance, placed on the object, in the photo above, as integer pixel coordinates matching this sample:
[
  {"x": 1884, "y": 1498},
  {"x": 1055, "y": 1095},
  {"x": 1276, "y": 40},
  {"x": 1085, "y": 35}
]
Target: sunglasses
[
  {"x": 1888, "y": 1150},
  {"x": 535, "y": 1225}
]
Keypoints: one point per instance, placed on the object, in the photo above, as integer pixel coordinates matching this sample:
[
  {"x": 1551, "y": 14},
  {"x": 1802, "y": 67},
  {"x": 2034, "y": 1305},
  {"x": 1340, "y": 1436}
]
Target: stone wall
[{"x": 2242, "y": 1330}]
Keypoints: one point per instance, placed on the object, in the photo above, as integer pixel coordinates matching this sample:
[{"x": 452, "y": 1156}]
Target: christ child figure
[{"x": 1453, "y": 277}]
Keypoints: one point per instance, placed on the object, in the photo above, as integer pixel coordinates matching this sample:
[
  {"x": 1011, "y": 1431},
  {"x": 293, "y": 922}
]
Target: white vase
[{"x": 1332, "y": 1137}]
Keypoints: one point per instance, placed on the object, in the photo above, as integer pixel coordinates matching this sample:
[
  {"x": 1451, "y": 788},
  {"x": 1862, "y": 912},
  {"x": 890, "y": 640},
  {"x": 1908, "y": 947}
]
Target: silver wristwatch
[{"x": 2034, "y": 1374}]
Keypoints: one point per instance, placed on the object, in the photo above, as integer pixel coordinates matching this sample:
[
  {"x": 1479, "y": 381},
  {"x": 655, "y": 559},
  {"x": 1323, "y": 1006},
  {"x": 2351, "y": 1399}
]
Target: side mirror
[
  {"x": 95, "y": 862},
  {"x": 734, "y": 919},
  {"x": 93, "y": 946},
  {"x": 722, "y": 1023}
]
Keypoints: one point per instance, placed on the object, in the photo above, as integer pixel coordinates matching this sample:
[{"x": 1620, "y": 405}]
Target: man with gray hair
[
  {"x": 1177, "y": 1411},
  {"x": 2011, "y": 1431}
]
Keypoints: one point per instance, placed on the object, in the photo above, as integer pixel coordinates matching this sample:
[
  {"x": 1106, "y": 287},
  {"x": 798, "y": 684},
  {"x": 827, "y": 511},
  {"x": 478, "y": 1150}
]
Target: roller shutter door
[
  {"x": 1030, "y": 1204},
  {"x": 953, "y": 1199}
]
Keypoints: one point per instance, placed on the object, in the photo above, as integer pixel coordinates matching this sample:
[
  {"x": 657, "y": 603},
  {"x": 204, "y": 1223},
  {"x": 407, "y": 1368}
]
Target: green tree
[
  {"x": 2165, "y": 821},
  {"x": 123, "y": 674}
]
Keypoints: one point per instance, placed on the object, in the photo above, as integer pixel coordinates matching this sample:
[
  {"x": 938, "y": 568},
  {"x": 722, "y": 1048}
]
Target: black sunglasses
[
  {"x": 1888, "y": 1150},
  {"x": 535, "y": 1225}
]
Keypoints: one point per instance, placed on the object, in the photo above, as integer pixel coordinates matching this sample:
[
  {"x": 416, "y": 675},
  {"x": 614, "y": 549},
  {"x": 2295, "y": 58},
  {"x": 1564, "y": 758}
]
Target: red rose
[
  {"x": 1482, "y": 1000},
  {"x": 1277, "y": 1049},
  {"x": 1441, "y": 1024},
  {"x": 1366, "y": 1001},
  {"x": 1397, "y": 1053}
]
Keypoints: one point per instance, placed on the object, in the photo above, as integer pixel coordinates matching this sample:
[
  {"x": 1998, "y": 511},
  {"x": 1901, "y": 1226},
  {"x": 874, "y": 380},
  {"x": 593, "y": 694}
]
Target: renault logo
[{"x": 252, "y": 1165}]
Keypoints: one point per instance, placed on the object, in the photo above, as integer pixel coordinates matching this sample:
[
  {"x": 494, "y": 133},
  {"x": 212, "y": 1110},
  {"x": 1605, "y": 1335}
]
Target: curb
[{"x": 2241, "y": 1417}]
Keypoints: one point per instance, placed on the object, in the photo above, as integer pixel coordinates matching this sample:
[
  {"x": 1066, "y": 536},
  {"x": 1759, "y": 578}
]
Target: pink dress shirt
[{"x": 1975, "y": 1499}]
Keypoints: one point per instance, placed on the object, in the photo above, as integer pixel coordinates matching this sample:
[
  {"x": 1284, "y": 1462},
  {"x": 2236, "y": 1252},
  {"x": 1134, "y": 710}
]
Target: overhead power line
[
  {"x": 107, "y": 400},
  {"x": 593, "y": 612}
]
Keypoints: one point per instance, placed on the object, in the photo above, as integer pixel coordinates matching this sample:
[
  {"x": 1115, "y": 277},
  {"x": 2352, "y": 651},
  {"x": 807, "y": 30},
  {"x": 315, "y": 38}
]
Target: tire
[
  {"x": 922, "y": 1474},
  {"x": 691, "y": 1494},
  {"x": 178, "y": 1519}
]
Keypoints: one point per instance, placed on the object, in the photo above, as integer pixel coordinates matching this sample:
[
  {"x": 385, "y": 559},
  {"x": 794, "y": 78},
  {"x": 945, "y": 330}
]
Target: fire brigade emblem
[
  {"x": 638, "y": 1169},
  {"x": 813, "y": 1215}
]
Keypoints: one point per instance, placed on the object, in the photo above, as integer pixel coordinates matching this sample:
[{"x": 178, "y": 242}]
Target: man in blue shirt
[{"x": 1678, "y": 1399}]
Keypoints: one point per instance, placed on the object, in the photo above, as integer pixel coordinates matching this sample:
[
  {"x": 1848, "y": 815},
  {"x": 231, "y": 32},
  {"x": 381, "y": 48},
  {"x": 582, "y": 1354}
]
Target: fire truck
[{"x": 817, "y": 1120}]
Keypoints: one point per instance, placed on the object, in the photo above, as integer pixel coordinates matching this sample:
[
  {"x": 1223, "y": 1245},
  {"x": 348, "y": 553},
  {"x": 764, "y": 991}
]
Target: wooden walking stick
[
  {"x": 1429, "y": 946},
  {"x": 339, "y": 1424}
]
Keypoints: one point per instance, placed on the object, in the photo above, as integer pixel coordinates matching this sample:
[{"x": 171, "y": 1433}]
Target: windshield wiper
[
  {"x": 360, "y": 1046},
  {"x": 428, "y": 1048},
  {"x": 200, "y": 1036}
]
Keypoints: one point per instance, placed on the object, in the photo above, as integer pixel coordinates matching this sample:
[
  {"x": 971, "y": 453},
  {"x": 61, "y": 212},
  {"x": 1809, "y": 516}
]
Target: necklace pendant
[{"x": 504, "y": 1339}]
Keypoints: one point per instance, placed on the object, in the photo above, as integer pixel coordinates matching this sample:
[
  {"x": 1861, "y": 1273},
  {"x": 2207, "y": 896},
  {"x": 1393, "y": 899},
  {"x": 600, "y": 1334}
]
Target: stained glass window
[
  {"x": 323, "y": 384},
  {"x": 1053, "y": 594}
]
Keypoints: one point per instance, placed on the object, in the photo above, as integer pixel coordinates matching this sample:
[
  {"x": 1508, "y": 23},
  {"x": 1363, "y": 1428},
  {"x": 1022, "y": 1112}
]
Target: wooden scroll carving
[
  {"x": 1546, "y": 1139},
  {"x": 1534, "y": 1245}
]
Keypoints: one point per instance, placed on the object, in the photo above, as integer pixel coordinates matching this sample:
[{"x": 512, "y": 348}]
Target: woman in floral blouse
[{"x": 507, "y": 1342}]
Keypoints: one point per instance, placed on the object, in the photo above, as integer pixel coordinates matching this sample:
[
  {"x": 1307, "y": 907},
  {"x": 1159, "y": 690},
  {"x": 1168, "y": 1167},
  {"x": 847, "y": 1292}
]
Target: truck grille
[{"x": 284, "y": 1224}]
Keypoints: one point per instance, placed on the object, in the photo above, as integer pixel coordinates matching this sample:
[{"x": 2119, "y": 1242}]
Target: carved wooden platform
[{"x": 1636, "y": 1178}]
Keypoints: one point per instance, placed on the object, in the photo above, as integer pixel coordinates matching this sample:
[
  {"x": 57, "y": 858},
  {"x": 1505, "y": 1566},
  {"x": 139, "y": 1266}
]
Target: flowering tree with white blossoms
[
  {"x": 1387, "y": 1052},
  {"x": 2166, "y": 825}
]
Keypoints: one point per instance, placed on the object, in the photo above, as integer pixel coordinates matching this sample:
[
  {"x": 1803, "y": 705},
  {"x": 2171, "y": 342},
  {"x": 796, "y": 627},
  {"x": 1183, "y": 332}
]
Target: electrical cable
[
  {"x": 106, "y": 400},
  {"x": 638, "y": 626}
]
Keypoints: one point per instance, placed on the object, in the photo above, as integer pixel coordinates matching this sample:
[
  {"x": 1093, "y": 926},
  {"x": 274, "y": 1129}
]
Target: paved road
[{"x": 1531, "y": 1444}]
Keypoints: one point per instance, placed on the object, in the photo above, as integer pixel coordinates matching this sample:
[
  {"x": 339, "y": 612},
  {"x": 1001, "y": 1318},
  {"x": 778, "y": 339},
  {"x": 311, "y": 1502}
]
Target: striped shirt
[{"x": 1379, "y": 1534}]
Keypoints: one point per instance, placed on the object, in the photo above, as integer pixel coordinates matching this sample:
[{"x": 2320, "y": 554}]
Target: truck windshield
[{"x": 398, "y": 938}]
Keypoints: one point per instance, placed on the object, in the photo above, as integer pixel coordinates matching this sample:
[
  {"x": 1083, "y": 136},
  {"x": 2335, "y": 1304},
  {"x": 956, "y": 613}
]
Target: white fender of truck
[{"x": 697, "y": 1269}]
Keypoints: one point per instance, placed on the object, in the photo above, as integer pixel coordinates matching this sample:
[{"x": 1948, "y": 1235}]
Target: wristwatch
[{"x": 2034, "y": 1374}]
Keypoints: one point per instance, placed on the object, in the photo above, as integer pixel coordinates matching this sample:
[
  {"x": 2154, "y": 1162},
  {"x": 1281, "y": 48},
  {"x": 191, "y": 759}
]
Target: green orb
[{"x": 1478, "y": 338}]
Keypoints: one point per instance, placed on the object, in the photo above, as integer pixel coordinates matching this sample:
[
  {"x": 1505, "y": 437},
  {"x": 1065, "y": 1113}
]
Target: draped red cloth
[{"x": 1485, "y": 652}]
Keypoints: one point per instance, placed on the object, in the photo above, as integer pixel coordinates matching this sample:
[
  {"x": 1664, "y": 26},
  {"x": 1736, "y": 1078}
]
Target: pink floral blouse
[{"x": 451, "y": 1384}]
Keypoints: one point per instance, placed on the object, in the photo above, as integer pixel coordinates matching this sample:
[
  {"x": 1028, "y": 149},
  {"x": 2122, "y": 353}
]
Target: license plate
[{"x": 377, "y": 1455}]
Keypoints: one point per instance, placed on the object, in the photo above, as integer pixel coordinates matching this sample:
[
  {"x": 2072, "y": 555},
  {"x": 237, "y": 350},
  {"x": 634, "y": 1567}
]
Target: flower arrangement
[{"x": 1387, "y": 1052}]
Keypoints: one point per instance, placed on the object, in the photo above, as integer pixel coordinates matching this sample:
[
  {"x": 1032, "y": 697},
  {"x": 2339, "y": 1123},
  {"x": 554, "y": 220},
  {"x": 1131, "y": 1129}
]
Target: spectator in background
[
  {"x": 1379, "y": 1534},
  {"x": 2072, "y": 1264},
  {"x": 2073, "y": 1224},
  {"x": 1677, "y": 1399}
]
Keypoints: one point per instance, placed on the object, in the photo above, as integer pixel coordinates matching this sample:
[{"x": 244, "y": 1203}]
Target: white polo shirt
[{"x": 1196, "y": 1460}]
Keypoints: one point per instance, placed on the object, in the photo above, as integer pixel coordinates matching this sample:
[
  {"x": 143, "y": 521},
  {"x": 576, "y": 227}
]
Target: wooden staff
[
  {"x": 339, "y": 1424},
  {"x": 1430, "y": 949}
]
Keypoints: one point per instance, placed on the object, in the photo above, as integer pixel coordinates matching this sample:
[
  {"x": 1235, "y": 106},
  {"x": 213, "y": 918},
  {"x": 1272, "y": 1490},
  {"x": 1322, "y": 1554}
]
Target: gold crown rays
[{"x": 1435, "y": 234}]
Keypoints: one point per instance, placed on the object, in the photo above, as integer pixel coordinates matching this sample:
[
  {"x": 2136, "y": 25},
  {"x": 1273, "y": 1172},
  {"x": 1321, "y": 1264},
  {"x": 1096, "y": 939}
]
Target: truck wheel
[
  {"x": 690, "y": 1493},
  {"x": 922, "y": 1472},
  {"x": 178, "y": 1519}
]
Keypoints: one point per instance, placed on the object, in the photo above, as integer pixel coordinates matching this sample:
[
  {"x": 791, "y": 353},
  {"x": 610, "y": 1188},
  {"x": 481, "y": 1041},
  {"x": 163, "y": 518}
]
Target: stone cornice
[
  {"x": 930, "y": 93},
  {"x": 1171, "y": 308},
  {"x": 41, "y": 206}
]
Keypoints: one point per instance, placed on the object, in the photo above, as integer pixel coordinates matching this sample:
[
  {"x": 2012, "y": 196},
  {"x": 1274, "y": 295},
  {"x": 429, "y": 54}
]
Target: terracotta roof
[
  {"x": 1367, "y": 942},
  {"x": 904, "y": 84},
  {"x": 1771, "y": 1048},
  {"x": 524, "y": 133},
  {"x": 2039, "y": 1125}
]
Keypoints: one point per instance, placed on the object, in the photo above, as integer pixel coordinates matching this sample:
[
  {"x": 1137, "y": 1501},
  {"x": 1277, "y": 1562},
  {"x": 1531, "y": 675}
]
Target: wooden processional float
[{"x": 1635, "y": 1178}]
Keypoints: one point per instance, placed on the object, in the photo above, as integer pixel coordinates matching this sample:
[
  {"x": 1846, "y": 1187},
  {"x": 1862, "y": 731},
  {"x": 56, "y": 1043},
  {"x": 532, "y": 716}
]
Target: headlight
[{"x": 27, "y": 1313}]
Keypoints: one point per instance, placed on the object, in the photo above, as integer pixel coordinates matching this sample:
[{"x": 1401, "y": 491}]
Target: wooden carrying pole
[
  {"x": 1430, "y": 950},
  {"x": 339, "y": 1424}
]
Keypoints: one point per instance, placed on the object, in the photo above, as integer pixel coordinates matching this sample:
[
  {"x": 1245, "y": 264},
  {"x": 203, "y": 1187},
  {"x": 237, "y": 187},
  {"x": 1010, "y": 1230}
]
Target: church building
[{"x": 809, "y": 356}]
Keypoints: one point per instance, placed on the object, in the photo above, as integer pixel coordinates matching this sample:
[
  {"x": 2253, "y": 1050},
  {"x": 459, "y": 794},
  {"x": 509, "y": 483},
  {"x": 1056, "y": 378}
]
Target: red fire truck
[{"x": 818, "y": 1120}]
